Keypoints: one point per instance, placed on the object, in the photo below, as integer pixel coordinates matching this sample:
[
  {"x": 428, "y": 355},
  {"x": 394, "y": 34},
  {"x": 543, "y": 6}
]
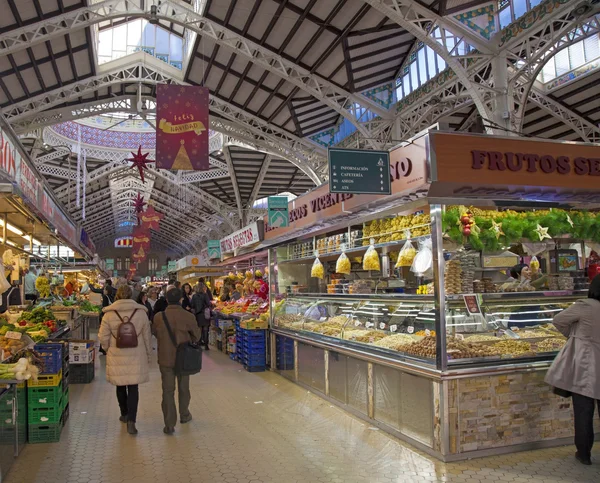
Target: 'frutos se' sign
[{"x": 535, "y": 163}]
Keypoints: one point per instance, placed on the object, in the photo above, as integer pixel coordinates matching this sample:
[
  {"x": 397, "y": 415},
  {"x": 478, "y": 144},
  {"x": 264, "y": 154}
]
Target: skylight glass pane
[
  {"x": 422, "y": 66},
  {"x": 105, "y": 43},
  {"x": 148, "y": 36},
  {"x": 162, "y": 41},
  {"x": 549, "y": 71},
  {"x": 120, "y": 38},
  {"x": 592, "y": 48},
  {"x": 534, "y": 3},
  {"x": 520, "y": 7},
  {"x": 576, "y": 55},
  {"x": 431, "y": 61},
  {"x": 406, "y": 85},
  {"x": 414, "y": 76},
  {"x": 505, "y": 17},
  {"x": 441, "y": 63},
  {"x": 134, "y": 33},
  {"x": 561, "y": 60},
  {"x": 176, "y": 51}
]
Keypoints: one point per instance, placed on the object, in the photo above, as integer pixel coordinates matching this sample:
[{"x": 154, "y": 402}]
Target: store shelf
[
  {"x": 525, "y": 295},
  {"x": 357, "y": 251}
]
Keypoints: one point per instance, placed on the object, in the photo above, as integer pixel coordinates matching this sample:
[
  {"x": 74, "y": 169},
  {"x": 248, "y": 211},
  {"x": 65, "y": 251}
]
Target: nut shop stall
[{"x": 429, "y": 312}]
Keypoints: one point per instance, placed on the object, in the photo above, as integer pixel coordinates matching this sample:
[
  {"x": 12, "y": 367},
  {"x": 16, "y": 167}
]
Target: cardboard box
[{"x": 82, "y": 357}]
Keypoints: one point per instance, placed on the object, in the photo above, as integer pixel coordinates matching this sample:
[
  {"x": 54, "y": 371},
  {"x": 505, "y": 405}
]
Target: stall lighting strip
[
  {"x": 527, "y": 312},
  {"x": 19, "y": 232},
  {"x": 508, "y": 321}
]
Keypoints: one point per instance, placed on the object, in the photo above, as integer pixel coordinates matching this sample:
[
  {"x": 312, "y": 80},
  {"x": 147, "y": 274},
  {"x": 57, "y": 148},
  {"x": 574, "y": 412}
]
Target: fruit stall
[{"x": 429, "y": 312}]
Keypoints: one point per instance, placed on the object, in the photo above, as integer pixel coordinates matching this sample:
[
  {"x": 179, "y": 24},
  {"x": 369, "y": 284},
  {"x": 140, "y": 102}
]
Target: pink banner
[{"x": 181, "y": 127}]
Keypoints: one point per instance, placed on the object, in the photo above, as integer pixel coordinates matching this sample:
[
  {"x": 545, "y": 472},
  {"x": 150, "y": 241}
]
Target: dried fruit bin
[{"x": 52, "y": 357}]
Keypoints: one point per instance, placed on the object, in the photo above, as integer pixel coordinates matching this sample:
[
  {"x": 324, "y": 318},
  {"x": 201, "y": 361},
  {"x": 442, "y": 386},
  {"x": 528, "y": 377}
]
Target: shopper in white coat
[{"x": 126, "y": 367}]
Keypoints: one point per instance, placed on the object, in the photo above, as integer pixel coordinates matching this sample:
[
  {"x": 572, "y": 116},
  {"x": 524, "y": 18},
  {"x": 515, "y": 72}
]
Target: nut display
[
  {"x": 371, "y": 260},
  {"x": 423, "y": 348},
  {"x": 317, "y": 270},
  {"x": 424, "y": 333},
  {"x": 370, "y": 336},
  {"x": 550, "y": 345},
  {"x": 458, "y": 349},
  {"x": 392, "y": 229},
  {"x": 512, "y": 347},
  {"x": 394, "y": 341}
]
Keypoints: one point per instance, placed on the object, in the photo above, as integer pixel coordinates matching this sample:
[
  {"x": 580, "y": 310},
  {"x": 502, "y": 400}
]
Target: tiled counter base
[{"x": 506, "y": 413}]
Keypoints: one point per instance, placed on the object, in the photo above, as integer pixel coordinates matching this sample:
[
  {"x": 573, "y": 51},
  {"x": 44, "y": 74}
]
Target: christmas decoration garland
[{"x": 499, "y": 229}]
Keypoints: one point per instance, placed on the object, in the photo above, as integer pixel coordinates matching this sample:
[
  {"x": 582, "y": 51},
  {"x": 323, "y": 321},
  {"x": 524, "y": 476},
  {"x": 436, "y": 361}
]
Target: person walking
[
  {"x": 161, "y": 302},
  {"x": 108, "y": 297},
  {"x": 186, "y": 300},
  {"x": 29, "y": 285},
  {"x": 126, "y": 368},
  {"x": 576, "y": 369},
  {"x": 142, "y": 299},
  {"x": 201, "y": 308},
  {"x": 184, "y": 327}
]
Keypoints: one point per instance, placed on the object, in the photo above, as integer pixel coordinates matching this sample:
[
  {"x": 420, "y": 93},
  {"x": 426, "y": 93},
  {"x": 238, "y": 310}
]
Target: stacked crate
[
  {"x": 47, "y": 398},
  {"x": 253, "y": 344},
  {"x": 82, "y": 358},
  {"x": 284, "y": 353}
]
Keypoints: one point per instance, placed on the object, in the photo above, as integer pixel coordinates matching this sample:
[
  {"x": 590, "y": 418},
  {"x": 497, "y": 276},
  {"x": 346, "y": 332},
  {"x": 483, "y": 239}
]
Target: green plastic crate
[
  {"x": 45, "y": 415},
  {"x": 44, "y": 433},
  {"x": 65, "y": 399},
  {"x": 43, "y": 397}
]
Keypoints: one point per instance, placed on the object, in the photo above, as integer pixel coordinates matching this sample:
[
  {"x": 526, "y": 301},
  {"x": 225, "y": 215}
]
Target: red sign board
[{"x": 182, "y": 127}]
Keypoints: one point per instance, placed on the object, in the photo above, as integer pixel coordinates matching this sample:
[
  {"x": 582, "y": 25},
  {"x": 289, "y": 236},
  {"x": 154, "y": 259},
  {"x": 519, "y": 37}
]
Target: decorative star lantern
[
  {"x": 141, "y": 238},
  {"x": 542, "y": 232},
  {"x": 139, "y": 203},
  {"x": 497, "y": 229},
  {"x": 150, "y": 218},
  {"x": 139, "y": 161}
]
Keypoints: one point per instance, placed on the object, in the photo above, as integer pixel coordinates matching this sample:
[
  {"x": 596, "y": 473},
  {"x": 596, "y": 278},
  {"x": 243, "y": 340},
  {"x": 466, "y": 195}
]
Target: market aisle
[{"x": 255, "y": 427}]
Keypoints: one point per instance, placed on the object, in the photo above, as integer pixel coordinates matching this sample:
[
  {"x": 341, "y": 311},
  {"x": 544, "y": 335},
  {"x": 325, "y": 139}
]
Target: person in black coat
[
  {"x": 201, "y": 302},
  {"x": 142, "y": 299},
  {"x": 186, "y": 301}
]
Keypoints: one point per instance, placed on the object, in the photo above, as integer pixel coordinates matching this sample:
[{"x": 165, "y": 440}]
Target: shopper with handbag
[
  {"x": 173, "y": 327},
  {"x": 125, "y": 335},
  {"x": 201, "y": 307},
  {"x": 576, "y": 370}
]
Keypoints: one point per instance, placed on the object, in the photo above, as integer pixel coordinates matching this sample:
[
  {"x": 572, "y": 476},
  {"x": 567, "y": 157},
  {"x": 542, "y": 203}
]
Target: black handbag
[{"x": 188, "y": 359}]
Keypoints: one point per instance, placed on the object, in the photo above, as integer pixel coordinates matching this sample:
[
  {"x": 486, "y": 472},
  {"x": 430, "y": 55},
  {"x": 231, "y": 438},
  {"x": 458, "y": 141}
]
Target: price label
[
  {"x": 357, "y": 323},
  {"x": 13, "y": 335},
  {"x": 427, "y": 332},
  {"x": 460, "y": 337},
  {"x": 368, "y": 325},
  {"x": 410, "y": 329},
  {"x": 381, "y": 325},
  {"x": 393, "y": 328}
]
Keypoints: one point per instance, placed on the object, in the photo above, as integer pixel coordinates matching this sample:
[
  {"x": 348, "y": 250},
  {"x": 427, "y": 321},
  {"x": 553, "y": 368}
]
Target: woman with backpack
[{"x": 125, "y": 335}]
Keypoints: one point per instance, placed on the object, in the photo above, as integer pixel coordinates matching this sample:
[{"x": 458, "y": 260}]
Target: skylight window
[
  {"x": 567, "y": 63},
  {"x": 139, "y": 35}
]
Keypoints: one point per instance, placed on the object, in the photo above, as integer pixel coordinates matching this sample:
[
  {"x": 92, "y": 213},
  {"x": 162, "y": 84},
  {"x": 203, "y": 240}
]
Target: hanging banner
[
  {"x": 58, "y": 219},
  {"x": 278, "y": 211},
  {"x": 28, "y": 183},
  {"x": 182, "y": 127},
  {"x": 248, "y": 235},
  {"x": 141, "y": 238},
  {"x": 9, "y": 157},
  {"x": 214, "y": 249},
  {"x": 86, "y": 241},
  {"x": 150, "y": 218},
  {"x": 139, "y": 255}
]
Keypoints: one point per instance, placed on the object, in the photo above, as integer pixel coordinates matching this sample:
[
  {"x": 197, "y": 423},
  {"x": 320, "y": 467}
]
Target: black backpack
[{"x": 188, "y": 359}]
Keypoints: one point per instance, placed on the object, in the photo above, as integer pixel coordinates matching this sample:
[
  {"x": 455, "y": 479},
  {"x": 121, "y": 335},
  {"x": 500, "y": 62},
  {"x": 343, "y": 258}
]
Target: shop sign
[
  {"x": 164, "y": 269},
  {"x": 359, "y": 172},
  {"x": 172, "y": 266},
  {"x": 28, "y": 183},
  {"x": 407, "y": 172},
  {"x": 9, "y": 156},
  {"x": 249, "y": 235},
  {"x": 214, "y": 249},
  {"x": 109, "y": 263},
  {"x": 86, "y": 241},
  {"x": 485, "y": 160},
  {"x": 189, "y": 261},
  {"x": 57, "y": 218},
  {"x": 278, "y": 211}
]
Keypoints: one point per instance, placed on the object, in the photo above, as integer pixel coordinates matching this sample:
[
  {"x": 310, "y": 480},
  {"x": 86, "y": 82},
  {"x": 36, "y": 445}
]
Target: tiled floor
[{"x": 255, "y": 428}]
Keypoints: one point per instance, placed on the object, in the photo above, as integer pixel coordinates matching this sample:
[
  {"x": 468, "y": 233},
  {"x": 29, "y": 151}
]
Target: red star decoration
[
  {"x": 139, "y": 203},
  {"x": 150, "y": 218},
  {"x": 141, "y": 237},
  {"x": 139, "y": 161}
]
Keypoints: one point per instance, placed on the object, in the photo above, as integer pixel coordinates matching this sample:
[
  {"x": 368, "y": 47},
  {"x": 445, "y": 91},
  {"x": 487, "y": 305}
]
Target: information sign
[{"x": 355, "y": 171}]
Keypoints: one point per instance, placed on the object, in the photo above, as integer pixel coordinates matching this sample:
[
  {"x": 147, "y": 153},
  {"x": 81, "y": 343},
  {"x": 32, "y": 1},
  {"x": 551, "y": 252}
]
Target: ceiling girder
[
  {"x": 348, "y": 105},
  {"x": 236, "y": 189},
  {"x": 259, "y": 180}
]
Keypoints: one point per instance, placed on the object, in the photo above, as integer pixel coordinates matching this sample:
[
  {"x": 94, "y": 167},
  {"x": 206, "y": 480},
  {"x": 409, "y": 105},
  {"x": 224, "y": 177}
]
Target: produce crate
[
  {"x": 255, "y": 368},
  {"x": 46, "y": 380},
  {"x": 44, "y": 433},
  {"x": 45, "y": 415},
  {"x": 255, "y": 360},
  {"x": 43, "y": 397},
  {"x": 65, "y": 381},
  {"x": 65, "y": 400},
  {"x": 52, "y": 357},
  {"x": 66, "y": 413},
  {"x": 81, "y": 373}
]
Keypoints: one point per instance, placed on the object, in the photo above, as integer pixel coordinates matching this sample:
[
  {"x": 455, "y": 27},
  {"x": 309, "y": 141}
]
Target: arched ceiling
[{"x": 279, "y": 72}]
